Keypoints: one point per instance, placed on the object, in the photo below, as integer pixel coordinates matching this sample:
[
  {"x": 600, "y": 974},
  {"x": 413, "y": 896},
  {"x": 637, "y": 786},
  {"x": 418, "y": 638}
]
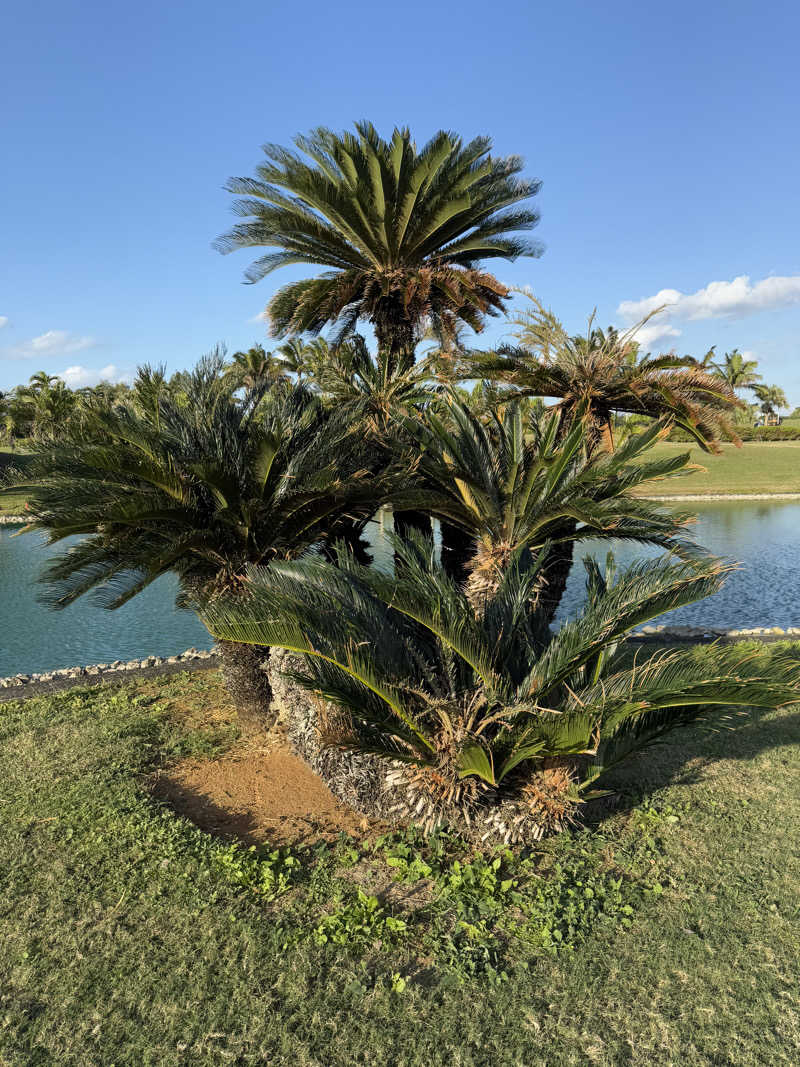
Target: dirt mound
[{"x": 258, "y": 795}]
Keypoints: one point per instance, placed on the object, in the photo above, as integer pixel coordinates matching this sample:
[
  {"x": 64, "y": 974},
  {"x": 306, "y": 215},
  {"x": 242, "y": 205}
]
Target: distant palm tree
[
  {"x": 738, "y": 372},
  {"x": 401, "y": 231},
  {"x": 771, "y": 399},
  {"x": 255, "y": 367},
  {"x": 306, "y": 359},
  {"x": 50, "y": 408},
  {"x": 41, "y": 380},
  {"x": 602, "y": 374},
  {"x": 199, "y": 483}
]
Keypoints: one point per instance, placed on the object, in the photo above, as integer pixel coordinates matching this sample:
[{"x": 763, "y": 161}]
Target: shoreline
[
  {"x": 695, "y": 498},
  {"x": 22, "y": 686},
  {"x": 700, "y": 497}
]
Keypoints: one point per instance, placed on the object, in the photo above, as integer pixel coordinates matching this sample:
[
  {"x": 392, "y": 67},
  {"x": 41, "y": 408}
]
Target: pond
[{"x": 763, "y": 536}]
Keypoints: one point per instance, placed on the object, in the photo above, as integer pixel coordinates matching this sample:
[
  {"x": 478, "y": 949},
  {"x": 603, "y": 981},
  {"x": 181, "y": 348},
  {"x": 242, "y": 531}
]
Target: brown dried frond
[{"x": 550, "y": 794}]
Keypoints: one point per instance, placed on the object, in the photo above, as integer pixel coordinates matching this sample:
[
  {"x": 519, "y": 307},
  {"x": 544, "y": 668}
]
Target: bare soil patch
[{"x": 258, "y": 794}]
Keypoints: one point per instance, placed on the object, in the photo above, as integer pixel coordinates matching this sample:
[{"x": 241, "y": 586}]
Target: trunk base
[
  {"x": 248, "y": 685},
  {"x": 458, "y": 548}
]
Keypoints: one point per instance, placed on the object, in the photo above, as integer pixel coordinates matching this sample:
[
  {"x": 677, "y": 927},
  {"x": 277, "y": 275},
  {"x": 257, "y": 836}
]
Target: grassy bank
[
  {"x": 762, "y": 467},
  {"x": 666, "y": 934},
  {"x": 14, "y": 503}
]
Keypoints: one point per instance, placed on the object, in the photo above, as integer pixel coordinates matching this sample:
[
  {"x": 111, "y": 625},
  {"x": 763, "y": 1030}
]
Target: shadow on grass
[{"x": 685, "y": 759}]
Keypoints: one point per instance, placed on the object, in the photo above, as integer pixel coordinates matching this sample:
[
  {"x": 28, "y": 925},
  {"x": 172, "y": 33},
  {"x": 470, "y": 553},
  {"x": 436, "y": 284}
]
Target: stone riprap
[
  {"x": 713, "y": 633},
  {"x": 96, "y": 670},
  {"x": 13, "y": 520}
]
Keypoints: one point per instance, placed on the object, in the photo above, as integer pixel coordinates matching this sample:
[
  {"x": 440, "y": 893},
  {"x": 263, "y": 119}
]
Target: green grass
[
  {"x": 665, "y": 934},
  {"x": 756, "y": 467},
  {"x": 14, "y": 503}
]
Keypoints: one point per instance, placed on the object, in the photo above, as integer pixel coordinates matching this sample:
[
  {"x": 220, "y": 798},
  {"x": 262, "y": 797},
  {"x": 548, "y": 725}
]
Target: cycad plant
[
  {"x": 401, "y": 231},
  {"x": 487, "y": 721},
  {"x": 199, "y": 483},
  {"x": 603, "y": 374},
  {"x": 521, "y": 477}
]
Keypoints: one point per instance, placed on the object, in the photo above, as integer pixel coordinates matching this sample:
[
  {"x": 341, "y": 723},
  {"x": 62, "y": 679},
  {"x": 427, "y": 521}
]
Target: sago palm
[
  {"x": 602, "y": 374},
  {"x": 487, "y": 721},
  {"x": 518, "y": 480},
  {"x": 201, "y": 484},
  {"x": 401, "y": 231}
]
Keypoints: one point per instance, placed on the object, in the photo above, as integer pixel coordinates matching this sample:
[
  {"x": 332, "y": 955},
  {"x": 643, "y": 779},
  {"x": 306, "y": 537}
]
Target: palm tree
[
  {"x": 738, "y": 372},
  {"x": 602, "y": 374},
  {"x": 400, "y": 231},
  {"x": 518, "y": 482},
  {"x": 487, "y": 721},
  {"x": 42, "y": 381},
  {"x": 771, "y": 397},
  {"x": 305, "y": 359},
  {"x": 200, "y": 484},
  {"x": 255, "y": 367}
]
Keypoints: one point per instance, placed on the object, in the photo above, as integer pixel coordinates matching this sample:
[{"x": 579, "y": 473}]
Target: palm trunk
[
  {"x": 395, "y": 335},
  {"x": 556, "y": 574},
  {"x": 248, "y": 685},
  {"x": 458, "y": 548}
]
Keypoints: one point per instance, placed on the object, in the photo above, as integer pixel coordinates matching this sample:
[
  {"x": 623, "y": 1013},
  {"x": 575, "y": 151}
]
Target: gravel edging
[
  {"x": 704, "y": 634},
  {"x": 25, "y": 686}
]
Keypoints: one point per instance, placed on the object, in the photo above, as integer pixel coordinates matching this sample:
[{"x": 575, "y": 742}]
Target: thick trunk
[
  {"x": 458, "y": 548},
  {"x": 248, "y": 685},
  {"x": 395, "y": 335},
  {"x": 556, "y": 573}
]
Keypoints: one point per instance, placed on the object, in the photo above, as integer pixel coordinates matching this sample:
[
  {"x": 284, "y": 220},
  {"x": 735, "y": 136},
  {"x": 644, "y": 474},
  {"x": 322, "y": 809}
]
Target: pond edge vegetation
[{"x": 254, "y": 488}]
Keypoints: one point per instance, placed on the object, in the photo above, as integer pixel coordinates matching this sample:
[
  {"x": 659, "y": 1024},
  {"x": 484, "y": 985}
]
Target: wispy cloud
[
  {"x": 51, "y": 343},
  {"x": 3, "y": 321},
  {"x": 718, "y": 299},
  {"x": 77, "y": 377}
]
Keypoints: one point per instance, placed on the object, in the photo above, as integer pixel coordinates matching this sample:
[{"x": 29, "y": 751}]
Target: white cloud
[
  {"x": 718, "y": 299},
  {"x": 3, "y": 321},
  {"x": 77, "y": 377},
  {"x": 51, "y": 343},
  {"x": 652, "y": 332}
]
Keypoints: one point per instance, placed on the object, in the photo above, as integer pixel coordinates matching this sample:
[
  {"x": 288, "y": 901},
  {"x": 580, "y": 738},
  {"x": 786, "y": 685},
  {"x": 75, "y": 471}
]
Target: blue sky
[{"x": 666, "y": 137}]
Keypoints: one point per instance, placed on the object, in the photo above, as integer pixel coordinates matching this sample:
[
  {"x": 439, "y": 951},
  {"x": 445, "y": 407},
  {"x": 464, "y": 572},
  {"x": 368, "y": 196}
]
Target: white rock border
[
  {"x": 96, "y": 670},
  {"x": 714, "y": 633},
  {"x": 13, "y": 520}
]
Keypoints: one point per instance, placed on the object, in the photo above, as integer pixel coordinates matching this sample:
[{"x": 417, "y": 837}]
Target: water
[
  {"x": 34, "y": 638},
  {"x": 763, "y": 536}
]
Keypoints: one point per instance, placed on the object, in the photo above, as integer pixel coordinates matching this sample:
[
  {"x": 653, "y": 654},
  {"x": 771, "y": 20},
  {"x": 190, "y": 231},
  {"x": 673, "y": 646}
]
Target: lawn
[
  {"x": 14, "y": 503},
  {"x": 667, "y": 933},
  {"x": 756, "y": 467}
]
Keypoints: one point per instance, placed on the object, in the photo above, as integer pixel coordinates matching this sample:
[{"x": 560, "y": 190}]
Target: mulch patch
[{"x": 258, "y": 794}]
